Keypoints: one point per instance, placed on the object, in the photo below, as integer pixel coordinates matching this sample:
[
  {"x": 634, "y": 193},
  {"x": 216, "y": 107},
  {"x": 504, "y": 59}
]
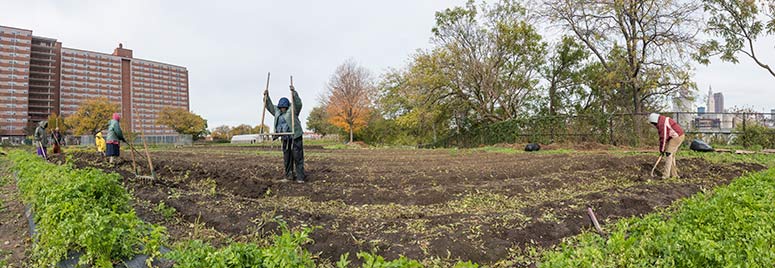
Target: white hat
[{"x": 654, "y": 118}]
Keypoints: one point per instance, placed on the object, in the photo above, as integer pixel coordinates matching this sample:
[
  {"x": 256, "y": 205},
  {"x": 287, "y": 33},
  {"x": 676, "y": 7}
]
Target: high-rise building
[
  {"x": 710, "y": 106},
  {"x": 15, "y": 48},
  {"x": 39, "y": 77},
  {"x": 718, "y": 100}
]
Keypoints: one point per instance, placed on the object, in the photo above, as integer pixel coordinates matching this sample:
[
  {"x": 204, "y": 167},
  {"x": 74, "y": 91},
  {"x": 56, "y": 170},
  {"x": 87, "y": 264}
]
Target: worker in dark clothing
[
  {"x": 293, "y": 146},
  {"x": 671, "y": 136},
  {"x": 57, "y": 139},
  {"x": 41, "y": 139}
]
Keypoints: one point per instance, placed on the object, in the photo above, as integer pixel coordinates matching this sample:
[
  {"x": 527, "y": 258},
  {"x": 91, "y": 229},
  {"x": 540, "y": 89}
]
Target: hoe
[{"x": 147, "y": 155}]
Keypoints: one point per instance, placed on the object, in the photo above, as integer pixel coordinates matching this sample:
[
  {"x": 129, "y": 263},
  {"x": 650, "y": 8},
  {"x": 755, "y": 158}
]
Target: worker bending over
[{"x": 671, "y": 136}]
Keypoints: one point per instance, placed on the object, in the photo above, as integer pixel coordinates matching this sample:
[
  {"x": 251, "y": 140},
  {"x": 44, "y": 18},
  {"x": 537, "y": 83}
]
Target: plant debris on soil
[
  {"x": 453, "y": 204},
  {"x": 14, "y": 232}
]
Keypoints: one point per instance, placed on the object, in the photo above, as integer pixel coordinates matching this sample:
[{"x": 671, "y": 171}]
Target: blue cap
[{"x": 284, "y": 103}]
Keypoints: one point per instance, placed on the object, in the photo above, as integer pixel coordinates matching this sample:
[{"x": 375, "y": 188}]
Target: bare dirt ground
[
  {"x": 14, "y": 232},
  {"x": 451, "y": 204}
]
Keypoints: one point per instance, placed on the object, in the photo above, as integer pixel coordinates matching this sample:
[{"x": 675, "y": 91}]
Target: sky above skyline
[{"x": 229, "y": 46}]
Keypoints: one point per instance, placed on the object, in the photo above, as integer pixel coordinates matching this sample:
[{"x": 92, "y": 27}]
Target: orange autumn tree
[{"x": 347, "y": 97}]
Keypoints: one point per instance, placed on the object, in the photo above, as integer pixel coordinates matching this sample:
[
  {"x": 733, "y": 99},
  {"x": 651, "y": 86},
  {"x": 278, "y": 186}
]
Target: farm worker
[
  {"x": 40, "y": 138},
  {"x": 57, "y": 138},
  {"x": 114, "y": 137},
  {"x": 670, "y": 138},
  {"x": 293, "y": 146},
  {"x": 100, "y": 143}
]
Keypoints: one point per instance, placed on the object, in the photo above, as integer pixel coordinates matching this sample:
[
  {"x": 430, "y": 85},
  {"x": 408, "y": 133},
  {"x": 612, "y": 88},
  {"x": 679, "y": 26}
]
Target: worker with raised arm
[
  {"x": 671, "y": 136},
  {"x": 293, "y": 146}
]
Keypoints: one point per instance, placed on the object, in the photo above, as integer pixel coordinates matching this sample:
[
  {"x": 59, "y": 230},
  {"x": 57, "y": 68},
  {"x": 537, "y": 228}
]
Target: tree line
[
  {"x": 511, "y": 60},
  {"x": 93, "y": 115}
]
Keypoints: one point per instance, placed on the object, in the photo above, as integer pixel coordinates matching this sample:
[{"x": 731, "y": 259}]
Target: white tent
[{"x": 249, "y": 138}]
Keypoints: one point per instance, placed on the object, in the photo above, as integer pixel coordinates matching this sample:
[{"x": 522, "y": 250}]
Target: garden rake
[{"x": 137, "y": 175}]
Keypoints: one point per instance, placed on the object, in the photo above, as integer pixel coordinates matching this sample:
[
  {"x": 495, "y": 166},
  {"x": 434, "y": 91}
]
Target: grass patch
[
  {"x": 726, "y": 228},
  {"x": 758, "y": 158}
]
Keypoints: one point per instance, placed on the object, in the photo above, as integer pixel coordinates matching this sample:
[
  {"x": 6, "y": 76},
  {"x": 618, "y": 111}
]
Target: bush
[
  {"x": 755, "y": 135},
  {"x": 728, "y": 228}
]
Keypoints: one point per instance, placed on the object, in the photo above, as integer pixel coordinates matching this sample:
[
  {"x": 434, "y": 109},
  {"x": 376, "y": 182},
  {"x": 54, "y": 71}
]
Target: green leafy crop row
[
  {"x": 82, "y": 210},
  {"x": 734, "y": 226}
]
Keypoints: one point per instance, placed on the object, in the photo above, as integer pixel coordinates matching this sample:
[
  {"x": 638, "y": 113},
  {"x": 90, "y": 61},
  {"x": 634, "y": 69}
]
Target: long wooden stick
[
  {"x": 263, "y": 111},
  {"x": 132, "y": 153},
  {"x": 655, "y": 165},
  {"x": 148, "y": 155},
  {"x": 592, "y": 217}
]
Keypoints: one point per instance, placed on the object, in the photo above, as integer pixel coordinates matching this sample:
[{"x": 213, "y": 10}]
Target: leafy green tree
[
  {"x": 737, "y": 24},
  {"x": 57, "y": 121},
  {"x": 183, "y": 121},
  {"x": 241, "y": 129},
  {"x": 317, "y": 121},
  {"x": 221, "y": 133},
  {"x": 92, "y": 115}
]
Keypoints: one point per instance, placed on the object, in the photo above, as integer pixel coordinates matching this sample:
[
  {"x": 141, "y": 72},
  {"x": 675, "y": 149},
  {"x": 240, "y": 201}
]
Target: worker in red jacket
[{"x": 671, "y": 136}]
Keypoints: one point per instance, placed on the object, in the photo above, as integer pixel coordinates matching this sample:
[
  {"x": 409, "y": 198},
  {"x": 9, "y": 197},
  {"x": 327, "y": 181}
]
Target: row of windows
[
  {"x": 15, "y": 62},
  {"x": 84, "y": 95},
  {"x": 13, "y": 84},
  {"x": 141, "y": 96},
  {"x": 85, "y": 61},
  {"x": 16, "y": 106},
  {"x": 145, "y": 66},
  {"x": 93, "y": 85},
  {"x": 66, "y": 52},
  {"x": 14, "y": 120},
  {"x": 15, "y": 47},
  {"x": 15, "y": 32},
  {"x": 13, "y": 76},
  {"x": 149, "y": 71},
  {"x": 170, "y": 90},
  {"x": 14, "y": 69},
  {"x": 155, "y": 76},
  {"x": 93, "y": 90},
  {"x": 15, "y": 40},
  {"x": 160, "y": 103},
  {"x": 13, "y": 91},
  {"x": 90, "y": 78},
  {"x": 14, "y": 54}
]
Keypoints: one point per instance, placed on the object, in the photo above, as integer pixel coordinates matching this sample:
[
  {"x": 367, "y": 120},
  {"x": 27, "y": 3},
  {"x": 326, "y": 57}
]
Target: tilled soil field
[{"x": 451, "y": 204}]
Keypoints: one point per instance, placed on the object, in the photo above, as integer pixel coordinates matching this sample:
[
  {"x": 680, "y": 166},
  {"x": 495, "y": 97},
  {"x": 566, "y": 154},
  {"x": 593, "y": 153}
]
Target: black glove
[
  {"x": 293, "y": 88},
  {"x": 661, "y": 153}
]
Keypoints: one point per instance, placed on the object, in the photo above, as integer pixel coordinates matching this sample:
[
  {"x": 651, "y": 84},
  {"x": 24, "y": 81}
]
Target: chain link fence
[
  {"x": 617, "y": 129},
  {"x": 180, "y": 140}
]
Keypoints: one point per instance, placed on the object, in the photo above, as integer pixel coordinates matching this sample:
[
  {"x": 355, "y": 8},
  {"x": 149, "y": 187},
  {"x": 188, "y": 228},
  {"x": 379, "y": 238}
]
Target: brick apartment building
[{"x": 39, "y": 77}]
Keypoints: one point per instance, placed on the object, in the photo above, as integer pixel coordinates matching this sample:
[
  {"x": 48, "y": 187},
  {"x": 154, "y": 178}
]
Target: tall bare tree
[
  {"x": 644, "y": 44},
  {"x": 738, "y": 24},
  {"x": 347, "y": 98}
]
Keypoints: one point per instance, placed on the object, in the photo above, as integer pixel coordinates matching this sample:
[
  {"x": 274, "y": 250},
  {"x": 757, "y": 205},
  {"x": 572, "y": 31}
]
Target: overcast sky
[{"x": 229, "y": 46}]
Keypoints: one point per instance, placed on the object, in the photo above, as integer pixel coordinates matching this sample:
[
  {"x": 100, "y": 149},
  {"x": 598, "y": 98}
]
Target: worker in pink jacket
[{"x": 671, "y": 136}]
